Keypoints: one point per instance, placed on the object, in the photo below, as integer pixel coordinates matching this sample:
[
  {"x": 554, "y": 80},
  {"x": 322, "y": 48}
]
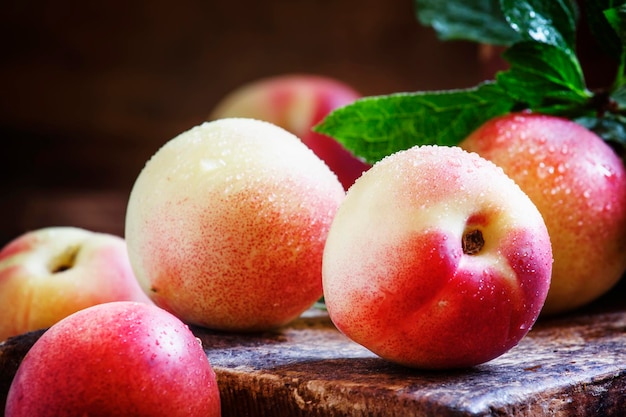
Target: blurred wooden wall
[{"x": 89, "y": 90}]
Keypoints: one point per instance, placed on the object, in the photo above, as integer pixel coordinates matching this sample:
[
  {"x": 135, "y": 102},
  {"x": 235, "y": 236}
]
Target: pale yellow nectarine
[
  {"x": 227, "y": 222},
  {"x": 50, "y": 273}
]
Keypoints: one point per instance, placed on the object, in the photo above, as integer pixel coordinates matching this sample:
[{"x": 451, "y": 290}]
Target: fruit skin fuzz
[
  {"x": 578, "y": 183},
  {"x": 436, "y": 259},
  {"x": 227, "y": 222}
]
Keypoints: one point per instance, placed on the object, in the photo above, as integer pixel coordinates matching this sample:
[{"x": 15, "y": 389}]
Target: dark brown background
[{"x": 89, "y": 90}]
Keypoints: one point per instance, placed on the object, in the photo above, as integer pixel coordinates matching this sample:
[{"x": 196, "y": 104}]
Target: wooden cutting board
[{"x": 574, "y": 365}]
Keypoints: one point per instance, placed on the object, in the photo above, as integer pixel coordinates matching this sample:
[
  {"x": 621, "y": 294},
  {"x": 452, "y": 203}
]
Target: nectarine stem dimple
[
  {"x": 64, "y": 261},
  {"x": 473, "y": 242}
]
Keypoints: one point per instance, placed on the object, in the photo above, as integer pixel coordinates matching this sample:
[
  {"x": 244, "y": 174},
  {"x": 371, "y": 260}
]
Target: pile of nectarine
[{"x": 435, "y": 257}]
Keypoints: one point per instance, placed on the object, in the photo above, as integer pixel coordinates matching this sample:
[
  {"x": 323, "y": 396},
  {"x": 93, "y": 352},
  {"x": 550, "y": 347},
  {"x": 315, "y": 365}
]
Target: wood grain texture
[{"x": 572, "y": 366}]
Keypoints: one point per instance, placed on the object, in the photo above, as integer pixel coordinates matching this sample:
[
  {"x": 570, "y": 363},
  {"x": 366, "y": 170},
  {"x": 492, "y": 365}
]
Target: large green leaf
[
  {"x": 374, "y": 127},
  {"x": 542, "y": 74},
  {"x": 552, "y": 22},
  {"x": 476, "y": 20}
]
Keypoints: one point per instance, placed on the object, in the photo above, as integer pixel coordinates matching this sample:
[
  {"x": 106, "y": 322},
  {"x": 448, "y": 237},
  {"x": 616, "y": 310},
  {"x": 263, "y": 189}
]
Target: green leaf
[
  {"x": 616, "y": 17},
  {"x": 374, "y": 127},
  {"x": 552, "y": 22},
  {"x": 602, "y": 30},
  {"x": 479, "y": 20},
  {"x": 542, "y": 75}
]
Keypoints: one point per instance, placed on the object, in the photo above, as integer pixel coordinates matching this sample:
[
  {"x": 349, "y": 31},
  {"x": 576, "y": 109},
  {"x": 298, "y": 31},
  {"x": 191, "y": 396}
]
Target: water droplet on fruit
[
  {"x": 228, "y": 189},
  {"x": 544, "y": 170},
  {"x": 559, "y": 189},
  {"x": 211, "y": 164},
  {"x": 605, "y": 171},
  {"x": 455, "y": 162}
]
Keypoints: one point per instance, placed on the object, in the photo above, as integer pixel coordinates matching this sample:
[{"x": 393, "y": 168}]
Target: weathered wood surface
[{"x": 573, "y": 365}]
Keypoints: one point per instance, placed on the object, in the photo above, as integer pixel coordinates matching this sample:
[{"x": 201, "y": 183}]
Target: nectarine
[
  {"x": 226, "y": 225},
  {"x": 47, "y": 274},
  {"x": 115, "y": 359},
  {"x": 578, "y": 184},
  {"x": 436, "y": 259}
]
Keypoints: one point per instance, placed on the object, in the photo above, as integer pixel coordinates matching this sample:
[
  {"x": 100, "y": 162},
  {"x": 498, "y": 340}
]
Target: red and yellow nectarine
[
  {"x": 578, "y": 184},
  {"x": 115, "y": 359},
  {"x": 436, "y": 259}
]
